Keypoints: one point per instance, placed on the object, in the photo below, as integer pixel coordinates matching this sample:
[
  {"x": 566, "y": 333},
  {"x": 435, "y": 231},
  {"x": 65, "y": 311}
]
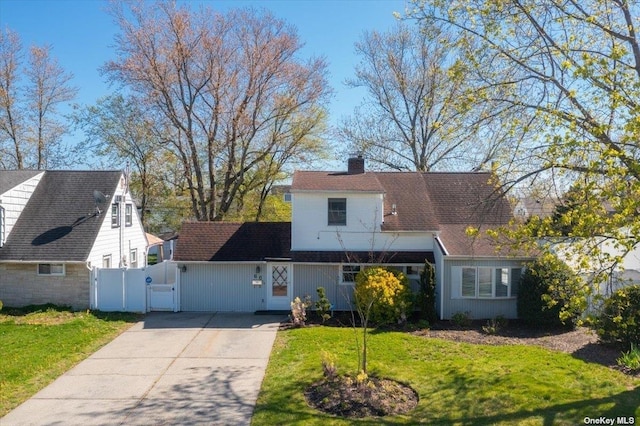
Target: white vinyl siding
[
  {"x": 14, "y": 201},
  {"x": 119, "y": 242}
]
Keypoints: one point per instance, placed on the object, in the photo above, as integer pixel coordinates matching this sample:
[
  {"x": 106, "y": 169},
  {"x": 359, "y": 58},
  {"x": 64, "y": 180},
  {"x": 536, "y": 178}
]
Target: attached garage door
[{"x": 221, "y": 288}]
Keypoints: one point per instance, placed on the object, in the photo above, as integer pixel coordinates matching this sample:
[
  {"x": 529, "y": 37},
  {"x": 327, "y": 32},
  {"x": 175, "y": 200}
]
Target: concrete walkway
[{"x": 169, "y": 369}]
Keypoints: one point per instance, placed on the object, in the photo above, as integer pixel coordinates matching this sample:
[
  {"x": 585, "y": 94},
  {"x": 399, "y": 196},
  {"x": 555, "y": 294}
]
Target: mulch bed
[
  {"x": 581, "y": 343},
  {"x": 374, "y": 397}
]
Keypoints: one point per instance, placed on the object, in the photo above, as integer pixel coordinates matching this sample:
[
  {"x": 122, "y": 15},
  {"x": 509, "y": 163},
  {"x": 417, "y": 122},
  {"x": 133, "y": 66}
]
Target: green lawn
[
  {"x": 457, "y": 383},
  {"x": 38, "y": 344}
]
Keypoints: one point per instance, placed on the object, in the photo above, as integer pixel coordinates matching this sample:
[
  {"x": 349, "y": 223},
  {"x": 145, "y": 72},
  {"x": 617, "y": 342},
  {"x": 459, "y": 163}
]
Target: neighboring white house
[
  {"x": 619, "y": 266},
  {"x": 344, "y": 221},
  {"x": 56, "y": 227}
]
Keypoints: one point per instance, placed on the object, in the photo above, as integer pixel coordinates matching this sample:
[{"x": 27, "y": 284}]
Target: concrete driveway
[{"x": 169, "y": 369}]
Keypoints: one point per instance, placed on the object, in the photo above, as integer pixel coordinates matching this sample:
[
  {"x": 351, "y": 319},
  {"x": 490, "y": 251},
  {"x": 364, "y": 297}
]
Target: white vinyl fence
[{"x": 154, "y": 288}]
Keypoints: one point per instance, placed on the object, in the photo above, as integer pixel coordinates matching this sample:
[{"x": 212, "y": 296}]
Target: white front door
[{"x": 280, "y": 286}]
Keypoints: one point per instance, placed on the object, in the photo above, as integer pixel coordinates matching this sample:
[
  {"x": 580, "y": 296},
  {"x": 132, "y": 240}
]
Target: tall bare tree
[
  {"x": 422, "y": 111},
  {"x": 30, "y": 127},
  {"x": 117, "y": 129},
  {"x": 220, "y": 85}
]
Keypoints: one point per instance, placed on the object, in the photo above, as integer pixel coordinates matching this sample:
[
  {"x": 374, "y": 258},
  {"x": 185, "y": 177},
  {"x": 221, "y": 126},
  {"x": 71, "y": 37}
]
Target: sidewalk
[{"x": 170, "y": 368}]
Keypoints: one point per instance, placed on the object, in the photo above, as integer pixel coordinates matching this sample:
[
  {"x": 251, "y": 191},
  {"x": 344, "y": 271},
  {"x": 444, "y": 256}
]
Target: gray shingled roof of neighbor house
[
  {"x": 9, "y": 179},
  {"x": 59, "y": 221}
]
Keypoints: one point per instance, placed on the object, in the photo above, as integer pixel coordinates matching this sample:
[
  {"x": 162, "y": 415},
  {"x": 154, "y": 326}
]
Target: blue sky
[{"x": 81, "y": 34}]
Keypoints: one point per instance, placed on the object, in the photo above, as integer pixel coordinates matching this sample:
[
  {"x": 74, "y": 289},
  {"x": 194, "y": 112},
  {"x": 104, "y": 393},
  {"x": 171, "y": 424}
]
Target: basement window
[{"x": 56, "y": 269}]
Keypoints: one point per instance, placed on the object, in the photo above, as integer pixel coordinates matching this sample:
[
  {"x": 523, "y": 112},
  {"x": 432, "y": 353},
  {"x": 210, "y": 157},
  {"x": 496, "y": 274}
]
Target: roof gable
[
  {"x": 11, "y": 178},
  {"x": 59, "y": 221}
]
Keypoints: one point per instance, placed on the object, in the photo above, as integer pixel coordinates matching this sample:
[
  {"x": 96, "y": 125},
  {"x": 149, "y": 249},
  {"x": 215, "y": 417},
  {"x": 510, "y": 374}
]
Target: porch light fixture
[
  {"x": 394, "y": 210},
  {"x": 183, "y": 268},
  {"x": 258, "y": 269}
]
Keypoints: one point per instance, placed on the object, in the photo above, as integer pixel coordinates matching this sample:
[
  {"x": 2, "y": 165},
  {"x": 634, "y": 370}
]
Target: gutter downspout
[{"x": 444, "y": 252}]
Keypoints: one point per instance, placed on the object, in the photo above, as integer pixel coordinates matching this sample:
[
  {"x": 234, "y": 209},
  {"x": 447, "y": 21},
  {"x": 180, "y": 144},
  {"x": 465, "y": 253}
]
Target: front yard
[
  {"x": 457, "y": 382},
  {"x": 39, "y": 343}
]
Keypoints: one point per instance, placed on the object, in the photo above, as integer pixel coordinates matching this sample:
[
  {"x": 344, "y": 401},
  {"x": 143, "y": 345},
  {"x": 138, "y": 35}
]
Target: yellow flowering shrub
[{"x": 382, "y": 293}]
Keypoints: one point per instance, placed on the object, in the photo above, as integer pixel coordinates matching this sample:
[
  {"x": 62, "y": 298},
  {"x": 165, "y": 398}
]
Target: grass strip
[{"x": 458, "y": 383}]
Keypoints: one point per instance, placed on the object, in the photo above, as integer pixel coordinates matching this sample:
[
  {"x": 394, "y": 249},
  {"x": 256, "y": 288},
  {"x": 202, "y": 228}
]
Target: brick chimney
[{"x": 355, "y": 165}]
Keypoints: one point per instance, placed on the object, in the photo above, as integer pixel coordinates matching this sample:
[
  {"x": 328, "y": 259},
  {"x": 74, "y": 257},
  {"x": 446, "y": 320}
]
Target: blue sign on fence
[{"x": 148, "y": 280}]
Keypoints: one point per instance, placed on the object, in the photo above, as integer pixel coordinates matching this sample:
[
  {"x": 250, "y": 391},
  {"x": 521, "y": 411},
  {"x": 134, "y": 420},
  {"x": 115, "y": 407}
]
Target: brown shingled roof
[
  {"x": 233, "y": 242},
  {"x": 466, "y": 198},
  {"x": 413, "y": 207},
  {"x": 335, "y": 181}
]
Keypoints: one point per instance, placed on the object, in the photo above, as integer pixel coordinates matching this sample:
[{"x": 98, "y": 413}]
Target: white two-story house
[
  {"x": 56, "y": 226},
  {"x": 344, "y": 221}
]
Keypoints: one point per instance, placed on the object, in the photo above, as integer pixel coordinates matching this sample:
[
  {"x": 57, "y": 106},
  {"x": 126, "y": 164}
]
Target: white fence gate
[{"x": 154, "y": 288}]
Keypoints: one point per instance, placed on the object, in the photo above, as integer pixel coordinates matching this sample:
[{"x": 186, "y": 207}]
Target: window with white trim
[
  {"x": 56, "y": 269},
  {"x": 484, "y": 282},
  {"x": 337, "y": 212},
  {"x": 106, "y": 261},
  {"x": 133, "y": 258},
  {"x": 128, "y": 215},
  {"x": 2, "y": 228},
  {"x": 115, "y": 215},
  {"x": 349, "y": 273}
]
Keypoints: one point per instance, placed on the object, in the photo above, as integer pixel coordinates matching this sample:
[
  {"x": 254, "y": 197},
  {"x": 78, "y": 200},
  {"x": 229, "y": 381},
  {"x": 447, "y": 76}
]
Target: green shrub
[
  {"x": 384, "y": 294},
  {"x": 462, "y": 319},
  {"x": 551, "y": 294},
  {"x": 496, "y": 324},
  {"x": 323, "y": 305},
  {"x": 631, "y": 358},
  {"x": 427, "y": 294},
  {"x": 619, "y": 321}
]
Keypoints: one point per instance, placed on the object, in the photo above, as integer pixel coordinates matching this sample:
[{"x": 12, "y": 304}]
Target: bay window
[{"x": 484, "y": 282}]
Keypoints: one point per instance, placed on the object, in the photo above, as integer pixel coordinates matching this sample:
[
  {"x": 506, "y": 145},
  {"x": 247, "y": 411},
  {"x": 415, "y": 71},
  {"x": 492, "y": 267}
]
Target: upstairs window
[
  {"x": 115, "y": 215},
  {"x": 337, "y": 212},
  {"x": 128, "y": 215}
]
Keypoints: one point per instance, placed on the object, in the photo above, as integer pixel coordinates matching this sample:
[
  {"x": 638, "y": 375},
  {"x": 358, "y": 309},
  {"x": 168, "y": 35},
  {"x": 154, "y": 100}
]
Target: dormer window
[{"x": 337, "y": 212}]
